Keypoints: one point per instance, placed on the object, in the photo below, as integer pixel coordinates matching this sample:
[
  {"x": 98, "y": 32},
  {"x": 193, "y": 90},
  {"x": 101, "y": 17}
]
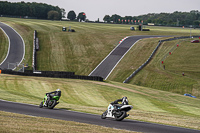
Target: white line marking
[
  {"x": 108, "y": 55},
  {"x": 121, "y": 59}
]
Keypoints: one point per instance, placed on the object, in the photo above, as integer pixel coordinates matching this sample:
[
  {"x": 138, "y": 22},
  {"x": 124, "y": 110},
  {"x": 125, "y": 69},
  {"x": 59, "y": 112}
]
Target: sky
[{"x": 98, "y": 9}]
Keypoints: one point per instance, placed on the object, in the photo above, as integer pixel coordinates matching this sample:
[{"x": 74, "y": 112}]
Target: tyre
[
  {"x": 103, "y": 116},
  {"x": 121, "y": 116},
  {"x": 51, "y": 104},
  {"x": 41, "y": 105}
]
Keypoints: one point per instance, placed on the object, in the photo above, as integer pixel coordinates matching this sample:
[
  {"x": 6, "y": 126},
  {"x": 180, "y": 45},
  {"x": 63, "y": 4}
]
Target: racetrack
[
  {"x": 62, "y": 114},
  {"x": 16, "y": 54},
  {"x": 16, "y": 49},
  {"x": 110, "y": 62}
]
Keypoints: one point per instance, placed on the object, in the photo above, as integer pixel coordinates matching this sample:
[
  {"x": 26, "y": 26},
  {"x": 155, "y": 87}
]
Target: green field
[
  {"x": 156, "y": 94},
  {"x": 184, "y": 58}
]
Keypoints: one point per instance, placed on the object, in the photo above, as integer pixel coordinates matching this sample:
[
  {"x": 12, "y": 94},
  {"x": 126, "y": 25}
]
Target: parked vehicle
[
  {"x": 189, "y": 95},
  {"x": 195, "y": 41}
]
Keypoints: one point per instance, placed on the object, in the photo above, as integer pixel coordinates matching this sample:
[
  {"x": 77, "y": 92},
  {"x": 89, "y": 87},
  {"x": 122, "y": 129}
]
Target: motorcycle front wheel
[
  {"x": 103, "y": 116},
  {"x": 41, "y": 105},
  {"x": 121, "y": 116}
]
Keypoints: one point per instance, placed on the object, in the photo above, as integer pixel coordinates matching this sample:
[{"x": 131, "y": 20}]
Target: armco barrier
[
  {"x": 34, "y": 51},
  {"x": 52, "y": 74},
  {"x": 149, "y": 59}
]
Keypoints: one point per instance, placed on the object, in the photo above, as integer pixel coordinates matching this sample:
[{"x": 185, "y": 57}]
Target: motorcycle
[
  {"x": 117, "y": 111},
  {"x": 49, "y": 103}
]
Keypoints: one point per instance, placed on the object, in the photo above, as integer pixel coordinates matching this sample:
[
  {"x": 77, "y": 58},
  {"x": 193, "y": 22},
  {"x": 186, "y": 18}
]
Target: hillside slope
[{"x": 84, "y": 49}]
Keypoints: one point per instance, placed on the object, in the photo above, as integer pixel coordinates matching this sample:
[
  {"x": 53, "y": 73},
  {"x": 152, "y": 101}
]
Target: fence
[
  {"x": 52, "y": 74},
  {"x": 151, "y": 56}
]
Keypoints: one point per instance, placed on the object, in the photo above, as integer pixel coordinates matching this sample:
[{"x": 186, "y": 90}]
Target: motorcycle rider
[
  {"x": 123, "y": 100},
  {"x": 52, "y": 94}
]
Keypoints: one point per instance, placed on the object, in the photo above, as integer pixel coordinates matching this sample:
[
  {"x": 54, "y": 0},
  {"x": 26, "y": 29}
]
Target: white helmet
[
  {"x": 124, "y": 101},
  {"x": 58, "y": 90}
]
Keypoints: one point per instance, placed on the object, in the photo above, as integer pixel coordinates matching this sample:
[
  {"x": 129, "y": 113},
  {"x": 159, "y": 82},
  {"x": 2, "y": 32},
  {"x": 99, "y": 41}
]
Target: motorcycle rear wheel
[
  {"x": 51, "y": 104},
  {"x": 121, "y": 117}
]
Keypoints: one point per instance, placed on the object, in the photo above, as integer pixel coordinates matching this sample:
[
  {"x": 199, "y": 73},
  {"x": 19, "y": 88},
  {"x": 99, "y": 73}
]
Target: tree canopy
[
  {"x": 71, "y": 15},
  {"x": 81, "y": 16},
  {"x": 167, "y": 19},
  {"x": 35, "y": 10}
]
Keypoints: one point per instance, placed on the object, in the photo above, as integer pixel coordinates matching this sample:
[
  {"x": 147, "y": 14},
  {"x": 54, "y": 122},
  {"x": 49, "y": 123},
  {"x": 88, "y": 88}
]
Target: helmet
[
  {"x": 124, "y": 101},
  {"x": 58, "y": 90}
]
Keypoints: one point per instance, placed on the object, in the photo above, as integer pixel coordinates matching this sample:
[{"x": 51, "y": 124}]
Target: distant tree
[
  {"x": 63, "y": 13},
  {"x": 128, "y": 19},
  {"x": 106, "y": 18},
  {"x": 71, "y": 15},
  {"x": 115, "y": 18},
  {"x": 81, "y": 16},
  {"x": 36, "y": 10},
  {"x": 53, "y": 15}
]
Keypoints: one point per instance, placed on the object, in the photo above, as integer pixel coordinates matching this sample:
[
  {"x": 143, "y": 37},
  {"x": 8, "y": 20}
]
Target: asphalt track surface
[
  {"x": 16, "y": 47},
  {"x": 110, "y": 62},
  {"x": 62, "y": 114}
]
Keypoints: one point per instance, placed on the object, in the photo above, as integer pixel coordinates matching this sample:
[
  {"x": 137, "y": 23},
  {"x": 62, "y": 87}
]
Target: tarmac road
[
  {"x": 110, "y": 62},
  {"x": 62, "y": 114},
  {"x": 16, "y": 47}
]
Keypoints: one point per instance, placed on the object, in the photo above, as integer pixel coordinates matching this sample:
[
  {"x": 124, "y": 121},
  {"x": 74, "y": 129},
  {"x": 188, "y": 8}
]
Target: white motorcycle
[{"x": 117, "y": 111}]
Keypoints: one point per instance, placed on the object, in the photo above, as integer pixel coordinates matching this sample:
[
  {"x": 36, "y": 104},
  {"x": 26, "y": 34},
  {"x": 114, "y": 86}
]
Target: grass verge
[{"x": 18, "y": 123}]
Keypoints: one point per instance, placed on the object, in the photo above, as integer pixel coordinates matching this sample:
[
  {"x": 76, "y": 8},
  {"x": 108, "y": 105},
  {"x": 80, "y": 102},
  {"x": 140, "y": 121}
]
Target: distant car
[
  {"x": 189, "y": 95},
  {"x": 195, "y": 41}
]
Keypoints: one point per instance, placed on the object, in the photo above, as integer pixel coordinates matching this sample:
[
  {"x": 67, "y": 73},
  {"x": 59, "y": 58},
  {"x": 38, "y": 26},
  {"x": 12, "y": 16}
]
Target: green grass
[
  {"x": 83, "y": 50},
  {"x": 93, "y": 97},
  {"x": 3, "y": 46},
  {"x": 11, "y": 122},
  {"x": 183, "y": 59}
]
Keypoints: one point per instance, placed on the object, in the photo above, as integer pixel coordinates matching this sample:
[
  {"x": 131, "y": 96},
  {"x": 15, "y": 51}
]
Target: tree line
[
  {"x": 72, "y": 16},
  {"x": 166, "y": 19},
  {"x": 31, "y": 10},
  {"x": 45, "y": 11}
]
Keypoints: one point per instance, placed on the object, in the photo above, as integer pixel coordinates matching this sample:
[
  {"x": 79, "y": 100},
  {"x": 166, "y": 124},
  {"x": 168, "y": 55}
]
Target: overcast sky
[{"x": 98, "y": 9}]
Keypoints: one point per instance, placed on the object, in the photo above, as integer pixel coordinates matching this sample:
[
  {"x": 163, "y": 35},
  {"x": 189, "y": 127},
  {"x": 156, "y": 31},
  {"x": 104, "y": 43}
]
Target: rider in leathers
[
  {"x": 123, "y": 100},
  {"x": 52, "y": 94}
]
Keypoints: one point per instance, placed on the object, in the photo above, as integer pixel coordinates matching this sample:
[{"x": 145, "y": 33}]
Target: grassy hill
[
  {"x": 184, "y": 58},
  {"x": 83, "y": 50}
]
